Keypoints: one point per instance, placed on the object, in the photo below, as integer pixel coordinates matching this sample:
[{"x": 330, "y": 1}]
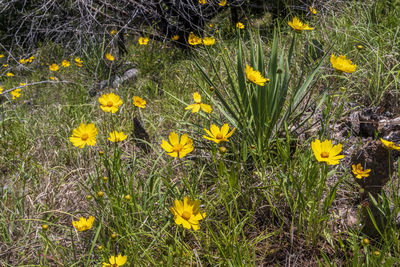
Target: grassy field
[{"x": 260, "y": 194}]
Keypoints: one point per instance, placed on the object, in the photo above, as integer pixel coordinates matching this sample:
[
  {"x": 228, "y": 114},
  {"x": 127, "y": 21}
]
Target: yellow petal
[
  {"x": 173, "y": 138},
  {"x": 197, "y": 97}
]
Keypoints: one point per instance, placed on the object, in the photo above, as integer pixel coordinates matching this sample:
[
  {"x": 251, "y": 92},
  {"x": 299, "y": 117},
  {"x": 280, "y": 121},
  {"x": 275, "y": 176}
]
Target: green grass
[{"x": 272, "y": 206}]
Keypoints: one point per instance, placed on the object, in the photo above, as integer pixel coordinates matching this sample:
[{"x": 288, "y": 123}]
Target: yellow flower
[
  {"x": 30, "y": 59},
  {"x": 110, "y": 102},
  {"x": 1, "y": 55},
  {"x": 255, "y": 76},
  {"x": 5, "y": 65},
  {"x": 78, "y": 62},
  {"x": 299, "y": 26},
  {"x": 209, "y": 40},
  {"x": 175, "y": 38},
  {"x": 110, "y": 57},
  {"x": 22, "y": 84},
  {"x": 188, "y": 213},
  {"x": 65, "y": 63},
  {"x": 340, "y": 63},
  {"x": 212, "y": 25},
  {"x": 113, "y": 32},
  {"x": 139, "y": 102},
  {"x": 222, "y": 3},
  {"x": 312, "y": 10},
  {"x": 1, "y": 89},
  {"x": 193, "y": 39},
  {"x": 359, "y": 172},
  {"x": 217, "y": 135},
  {"x": 83, "y": 224},
  {"x": 84, "y": 135},
  {"x": 326, "y": 152},
  {"x": 202, "y": 2},
  {"x": 197, "y": 105},
  {"x": 177, "y": 148},
  {"x": 16, "y": 93},
  {"x": 52, "y": 78},
  {"x": 9, "y": 74},
  {"x": 117, "y": 136},
  {"x": 143, "y": 40},
  {"x": 390, "y": 145},
  {"x": 54, "y": 67},
  {"x": 22, "y": 61},
  {"x": 240, "y": 25},
  {"x": 116, "y": 261}
]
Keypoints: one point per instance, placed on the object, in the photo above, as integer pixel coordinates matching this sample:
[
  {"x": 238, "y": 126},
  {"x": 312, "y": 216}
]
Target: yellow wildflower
[
  {"x": 9, "y": 74},
  {"x": 209, "y": 40},
  {"x": 117, "y": 136},
  {"x": 113, "y": 32},
  {"x": 1, "y": 89},
  {"x": 5, "y": 65},
  {"x": 16, "y": 93},
  {"x": 143, "y": 40},
  {"x": 188, "y": 213},
  {"x": 255, "y": 76},
  {"x": 65, "y": 63},
  {"x": 222, "y": 3},
  {"x": 110, "y": 102},
  {"x": 312, "y": 10},
  {"x": 22, "y": 61},
  {"x": 177, "y": 148},
  {"x": 299, "y": 26},
  {"x": 22, "y": 84},
  {"x": 390, "y": 145},
  {"x": 240, "y": 25},
  {"x": 359, "y": 172},
  {"x": 217, "y": 135},
  {"x": 83, "y": 224},
  {"x": 175, "y": 37},
  {"x": 110, "y": 57},
  {"x": 193, "y": 39},
  {"x": 197, "y": 105},
  {"x": 139, "y": 102},
  {"x": 54, "y": 67},
  {"x": 84, "y": 135},
  {"x": 78, "y": 62},
  {"x": 340, "y": 63},
  {"x": 326, "y": 152},
  {"x": 1, "y": 55},
  {"x": 202, "y": 2},
  {"x": 115, "y": 261}
]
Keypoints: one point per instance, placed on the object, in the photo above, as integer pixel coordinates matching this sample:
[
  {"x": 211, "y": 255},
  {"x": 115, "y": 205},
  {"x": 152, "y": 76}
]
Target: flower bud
[
  {"x": 360, "y": 47},
  {"x": 365, "y": 242},
  {"x": 45, "y": 227},
  {"x": 222, "y": 150},
  {"x": 377, "y": 253},
  {"x": 100, "y": 248},
  {"x": 100, "y": 194},
  {"x": 105, "y": 178},
  {"x": 88, "y": 197},
  {"x": 128, "y": 197},
  {"x": 113, "y": 235}
]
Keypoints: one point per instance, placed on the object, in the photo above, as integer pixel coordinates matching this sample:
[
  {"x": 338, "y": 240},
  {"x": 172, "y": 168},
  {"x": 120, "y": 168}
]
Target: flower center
[
  {"x": 84, "y": 136},
  {"x": 325, "y": 154},
  {"x": 177, "y": 147},
  {"x": 219, "y": 136},
  {"x": 110, "y": 104},
  {"x": 186, "y": 215}
]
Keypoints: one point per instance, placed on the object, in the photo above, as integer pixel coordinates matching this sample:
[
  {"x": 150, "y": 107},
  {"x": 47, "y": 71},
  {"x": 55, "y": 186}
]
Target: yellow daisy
[
  {"x": 359, "y": 172},
  {"x": 222, "y": 3},
  {"x": 110, "y": 102},
  {"x": 198, "y": 105},
  {"x": 209, "y": 40},
  {"x": 117, "y": 136},
  {"x": 193, "y": 39},
  {"x": 16, "y": 93},
  {"x": 176, "y": 148},
  {"x": 188, "y": 213},
  {"x": 85, "y": 134},
  {"x": 65, "y": 63},
  {"x": 255, "y": 76},
  {"x": 139, "y": 102},
  {"x": 143, "y": 40},
  {"x": 110, "y": 57},
  {"x": 83, "y": 224},
  {"x": 240, "y": 25},
  {"x": 299, "y": 26},
  {"x": 390, "y": 145},
  {"x": 216, "y": 135},
  {"x": 340, "y": 63},
  {"x": 115, "y": 261},
  {"x": 326, "y": 152}
]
